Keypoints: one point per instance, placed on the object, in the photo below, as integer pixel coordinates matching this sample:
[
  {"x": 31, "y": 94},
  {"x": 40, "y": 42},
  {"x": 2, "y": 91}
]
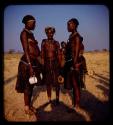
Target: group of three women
[{"x": 46, "y": 61}]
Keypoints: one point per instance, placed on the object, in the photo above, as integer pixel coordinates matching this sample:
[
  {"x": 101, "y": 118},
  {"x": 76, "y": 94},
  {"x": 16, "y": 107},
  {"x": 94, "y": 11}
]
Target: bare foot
[
  {"x": 33, "y": 109},
  {"x": 77, "y": 108},
  {"x": 28, "y": 111}
]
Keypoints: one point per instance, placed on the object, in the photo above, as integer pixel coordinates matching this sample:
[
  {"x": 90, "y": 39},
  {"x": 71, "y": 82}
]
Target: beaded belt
[{"x": 26, "y": 63}]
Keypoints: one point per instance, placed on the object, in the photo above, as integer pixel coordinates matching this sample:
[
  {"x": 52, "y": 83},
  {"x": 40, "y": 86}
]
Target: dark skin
[
  {"x": 50, "y": 50},
  {"x": 63, "y": 46},
  {"x": 32, "y": 49},
  {"x": 50, "y": 47},
  {"x": 75, "y": 49},
  {"x": 61, "y": 54}
]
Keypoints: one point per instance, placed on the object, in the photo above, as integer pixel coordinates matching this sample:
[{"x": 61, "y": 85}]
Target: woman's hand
[{"x": 77, "y": 66}]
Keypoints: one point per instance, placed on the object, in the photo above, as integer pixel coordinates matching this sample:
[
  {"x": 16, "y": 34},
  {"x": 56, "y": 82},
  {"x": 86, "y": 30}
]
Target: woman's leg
[
  {"x": 69, "y": 98},
  {"x": 49, "y": 92},
  {"x": 76, "y": 90},
  {"x": 57, "y": 93},
  {"x": 27, "y": 99}
]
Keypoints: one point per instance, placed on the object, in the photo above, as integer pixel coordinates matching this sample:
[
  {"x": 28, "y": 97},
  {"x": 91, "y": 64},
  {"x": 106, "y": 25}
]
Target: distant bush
[
  {"x": 105, "y": 50},
  {"x": 11, "y": 51},
  {"x": 19, "y": 52},
  {"x": 96, "y": 50}
]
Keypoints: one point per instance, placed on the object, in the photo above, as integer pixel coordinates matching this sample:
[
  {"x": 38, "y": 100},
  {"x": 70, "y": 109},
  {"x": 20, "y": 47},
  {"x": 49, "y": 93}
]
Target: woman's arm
[
  {"x": 76, "y": 50},
  {"x": 42, "y": 52},
  {"x": 25, "y": 46}
]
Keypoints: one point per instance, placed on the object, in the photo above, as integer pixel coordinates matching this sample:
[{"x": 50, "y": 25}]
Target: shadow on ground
[
  {"x": 10, "y": 79},
  {"x": 59, "y": 112},
  {"x": 98, "y": 110}
]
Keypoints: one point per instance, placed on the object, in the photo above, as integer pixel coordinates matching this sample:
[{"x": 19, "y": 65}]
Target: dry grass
[{"x": 94, "y": 100}]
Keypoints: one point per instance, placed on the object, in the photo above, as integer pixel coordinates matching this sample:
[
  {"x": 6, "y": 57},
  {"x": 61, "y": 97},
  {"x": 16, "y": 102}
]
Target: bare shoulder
[
  {"x": 57, "y": 43},
  {"x": 78, "y": 38},
  {"x": 44, "y": 41},
  {"x": 23, "y": 32}
]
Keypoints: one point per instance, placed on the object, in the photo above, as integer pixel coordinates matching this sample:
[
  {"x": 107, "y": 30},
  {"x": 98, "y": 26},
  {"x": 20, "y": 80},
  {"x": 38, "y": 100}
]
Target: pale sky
[{"x": 93, "y": 24}]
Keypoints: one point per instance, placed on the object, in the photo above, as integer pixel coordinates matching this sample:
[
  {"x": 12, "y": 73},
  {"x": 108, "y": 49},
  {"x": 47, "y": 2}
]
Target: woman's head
[
  {"x": 63, "y": 44},
  {"x": 29, "y": 22},
  {"x": 72, "y": 24},
  {"x": 50, "y": 31}
]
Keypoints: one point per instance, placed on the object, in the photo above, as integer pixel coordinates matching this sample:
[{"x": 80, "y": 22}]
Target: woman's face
[
  {"x": 71, "y": 26},
  {"x": 31, "y": 24},
  {"x": 50, "y": 34},
  {"x": 63, "y": 45}
]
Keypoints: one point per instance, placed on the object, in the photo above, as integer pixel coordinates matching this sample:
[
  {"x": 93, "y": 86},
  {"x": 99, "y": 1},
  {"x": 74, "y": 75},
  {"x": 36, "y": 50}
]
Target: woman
[
  {"x": 49, "y": 52},
  {"x": 29, "y": 64},
  {"x": 71, "y": 65}
]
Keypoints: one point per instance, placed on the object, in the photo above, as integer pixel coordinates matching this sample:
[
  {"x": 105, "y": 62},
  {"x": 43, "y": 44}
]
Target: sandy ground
[{"x": 94, "y": 100}]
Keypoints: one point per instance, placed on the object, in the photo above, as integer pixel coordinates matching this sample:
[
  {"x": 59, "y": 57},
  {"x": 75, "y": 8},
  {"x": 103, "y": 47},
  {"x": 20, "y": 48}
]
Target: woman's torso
[
  {"x": 33, "y": 48},
  {"x": 51, "y": 50}
]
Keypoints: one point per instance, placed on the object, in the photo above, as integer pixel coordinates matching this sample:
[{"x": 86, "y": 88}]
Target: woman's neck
[{"x": 50, "y": 39}]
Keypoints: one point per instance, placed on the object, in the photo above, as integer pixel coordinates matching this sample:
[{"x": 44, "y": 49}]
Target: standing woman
[
  {"x": 71, "y": 65},
  {"x": 49, "y": 52},
  {"x": 29, "y": 64}
]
